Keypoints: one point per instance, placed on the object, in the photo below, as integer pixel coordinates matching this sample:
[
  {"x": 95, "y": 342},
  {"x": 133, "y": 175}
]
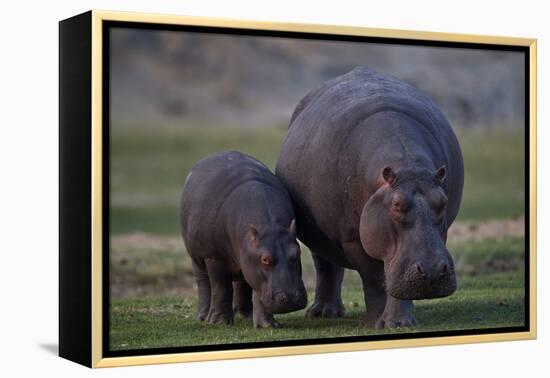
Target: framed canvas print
[{"x": 235, "y": 189}]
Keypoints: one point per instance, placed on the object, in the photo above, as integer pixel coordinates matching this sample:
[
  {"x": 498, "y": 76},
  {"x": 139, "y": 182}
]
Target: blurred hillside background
[
  {"x": 184, "y": 78},
  {"x": 177, "y": 97}
]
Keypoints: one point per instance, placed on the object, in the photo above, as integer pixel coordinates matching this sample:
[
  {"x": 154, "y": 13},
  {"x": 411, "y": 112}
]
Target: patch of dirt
[
  {"x": 131, "y": 285},
  {"x": 144, "y": 241},
  {"x": 145, "y": 264},
  {"x": 490, "y": 264},
  {"x": 496, "y": 229}
]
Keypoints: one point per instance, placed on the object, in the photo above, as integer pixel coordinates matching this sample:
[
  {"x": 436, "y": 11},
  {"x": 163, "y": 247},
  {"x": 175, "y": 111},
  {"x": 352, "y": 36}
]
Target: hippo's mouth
[
  {"x": 412, "y": 286},
  {"x": 283, "y": 303},
  {"x": 422, "y": 288},
  {"x": 413, "y": 291},
  {"x": 296, "y": 305}
]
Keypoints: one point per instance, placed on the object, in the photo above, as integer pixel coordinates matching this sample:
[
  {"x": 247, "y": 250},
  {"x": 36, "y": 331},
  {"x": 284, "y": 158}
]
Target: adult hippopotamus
[
  {"x": 238, "y": 224},
  {"x": 376, "y": 175}
]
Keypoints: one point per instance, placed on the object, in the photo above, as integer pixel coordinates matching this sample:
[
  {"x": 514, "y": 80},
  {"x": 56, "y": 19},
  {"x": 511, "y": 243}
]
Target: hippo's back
[
  {"x": 212, "y": 180},
  {"x": 342, "y": 103}
]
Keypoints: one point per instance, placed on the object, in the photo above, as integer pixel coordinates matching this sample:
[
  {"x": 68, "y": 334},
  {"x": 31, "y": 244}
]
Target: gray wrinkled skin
[
  {"x": 376, "y": 176},
  {"x": 238, "y": 226}
]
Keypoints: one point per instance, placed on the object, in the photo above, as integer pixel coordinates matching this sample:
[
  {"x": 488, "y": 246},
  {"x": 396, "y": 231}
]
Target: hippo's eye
[
  {"x": 440, "y": 204},
  {"x": 266, "y": 261},
  {"x": 398, "y": 206}
]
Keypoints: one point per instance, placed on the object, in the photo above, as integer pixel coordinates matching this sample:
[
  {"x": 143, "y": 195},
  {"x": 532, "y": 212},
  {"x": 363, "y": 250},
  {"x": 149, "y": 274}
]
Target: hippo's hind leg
[
  {"x": 221, "y": 297},
  {"x": 328, "y": 300},
  {"x": 203, "y": 286},
  {"x": 329, "y": 277},
  {"x": 242, "y": 298}
]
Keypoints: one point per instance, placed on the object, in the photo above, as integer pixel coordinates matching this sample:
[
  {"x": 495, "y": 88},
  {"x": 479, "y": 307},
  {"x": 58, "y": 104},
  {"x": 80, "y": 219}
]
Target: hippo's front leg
[
  {"x": 397, "y": 313},
  {"x": 260, "y": 317},
  {"x": 383, "y": 310},
  {"x": 221, "y": 297},
  {"x": 375, "y": 302}
]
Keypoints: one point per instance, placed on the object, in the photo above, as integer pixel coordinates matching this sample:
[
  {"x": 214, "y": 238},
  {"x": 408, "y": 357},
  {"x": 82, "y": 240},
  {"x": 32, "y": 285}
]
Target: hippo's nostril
[
  {"x": 420, "y": 269},
  {"x": 443, "y": 268}
]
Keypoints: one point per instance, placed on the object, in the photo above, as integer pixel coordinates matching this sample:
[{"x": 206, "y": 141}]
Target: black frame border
[{"x": 75, "y": 195}]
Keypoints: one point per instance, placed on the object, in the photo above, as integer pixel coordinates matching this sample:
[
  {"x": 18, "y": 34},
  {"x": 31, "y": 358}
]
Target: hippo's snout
[
  {"x": 289, "y": 301},
  {"x": 422, "y": 280}
]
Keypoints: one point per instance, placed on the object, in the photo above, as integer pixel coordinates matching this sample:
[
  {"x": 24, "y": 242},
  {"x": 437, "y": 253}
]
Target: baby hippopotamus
[{"x": 238, "y": 224}]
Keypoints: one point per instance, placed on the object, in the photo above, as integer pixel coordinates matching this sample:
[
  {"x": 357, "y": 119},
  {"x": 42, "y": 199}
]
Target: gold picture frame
[{"x": 90, "y": 329}]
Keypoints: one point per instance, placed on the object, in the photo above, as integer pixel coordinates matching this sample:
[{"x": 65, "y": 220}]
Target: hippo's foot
[
  {"x": 202, "y": 315},
  {"x": 397, "y": 314},
  {"x": 266, "y": 322},
  {"x": 328, "y": 302},
  {"x": 215, "y": 317},
  {"x": 392, "y": 321},
  {"x": 326, "y": 310}
]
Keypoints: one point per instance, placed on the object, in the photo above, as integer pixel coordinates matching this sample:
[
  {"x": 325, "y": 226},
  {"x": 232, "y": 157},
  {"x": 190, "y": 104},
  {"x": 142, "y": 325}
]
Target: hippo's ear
[
  {"x": 441, "y": 174},
  {"x": 292, "y": 226},
  {"x": 389, "y": 175}
]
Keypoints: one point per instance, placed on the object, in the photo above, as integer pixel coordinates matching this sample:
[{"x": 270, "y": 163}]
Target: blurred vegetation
[
  {"x": 494, "y": 168},
  {"x": 163, "y": 77},
  {"x": 149, "y": 166}
]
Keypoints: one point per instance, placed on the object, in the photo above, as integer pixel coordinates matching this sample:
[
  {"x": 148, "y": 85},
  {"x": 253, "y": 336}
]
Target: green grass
[
  {"x": 149, "y": 166},
  {"x": 481, "y": 302}
]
